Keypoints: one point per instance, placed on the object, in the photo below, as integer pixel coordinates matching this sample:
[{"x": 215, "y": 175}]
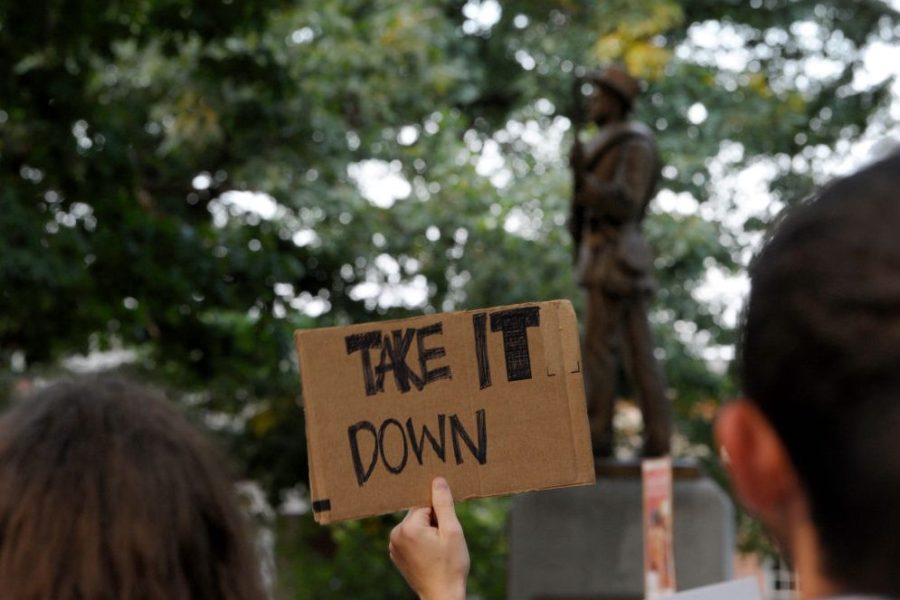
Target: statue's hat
[{"x": 618, "y": 80}]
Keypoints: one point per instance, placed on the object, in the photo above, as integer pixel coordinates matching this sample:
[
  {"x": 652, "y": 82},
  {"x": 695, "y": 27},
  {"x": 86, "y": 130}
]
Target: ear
[{"x": 761, "y": 471}]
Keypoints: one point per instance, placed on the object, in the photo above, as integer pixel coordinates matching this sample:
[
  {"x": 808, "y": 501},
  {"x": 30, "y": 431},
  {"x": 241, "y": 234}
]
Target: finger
[
  {"x": 418, "y": 517},
  {"x": 442, "y": 501},
  {"x": 393, "y": 552}
]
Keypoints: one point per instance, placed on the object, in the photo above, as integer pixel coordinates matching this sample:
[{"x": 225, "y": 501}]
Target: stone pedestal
[{"x": 586, "y": 543}]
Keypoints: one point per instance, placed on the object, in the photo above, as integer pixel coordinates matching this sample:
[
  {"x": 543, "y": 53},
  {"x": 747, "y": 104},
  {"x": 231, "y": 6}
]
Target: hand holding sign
[
  {"x": 492, "y": 400},
  {"x": 429, "y": 549}
]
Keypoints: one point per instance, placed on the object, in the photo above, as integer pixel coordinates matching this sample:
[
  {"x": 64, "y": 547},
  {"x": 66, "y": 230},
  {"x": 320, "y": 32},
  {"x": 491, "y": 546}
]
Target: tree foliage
[{"x": 133, "y": 134}]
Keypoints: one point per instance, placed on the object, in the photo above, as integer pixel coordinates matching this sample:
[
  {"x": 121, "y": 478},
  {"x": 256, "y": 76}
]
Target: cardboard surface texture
[{"x": 491, "y": 399}]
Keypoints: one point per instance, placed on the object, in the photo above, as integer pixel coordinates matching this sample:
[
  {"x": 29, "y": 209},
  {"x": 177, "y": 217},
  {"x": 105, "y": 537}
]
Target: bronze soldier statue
[{"x": 615, "y": 177}]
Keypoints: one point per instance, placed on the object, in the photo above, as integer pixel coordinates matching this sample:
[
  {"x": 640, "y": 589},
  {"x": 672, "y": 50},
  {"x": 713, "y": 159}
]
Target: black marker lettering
[
  {"x": 384, "y": 364},
  {"x": 426, "y": 354},
  {"x": 362, "y": 474},
  {"x": 514, "y": 324},
  {"x": 479, "y": 324},
  {"x": 418, "y": 442},
  {"x": 401, "y": 349},
  {"x": 398, "y": 468},
  {"x": 458, "y": 431},
  {"x": 393, "y": 358},
  {"x": 409, "y": 435},
  {"x": 363, "y": 342},
  {"x": 394, "y": 349}
]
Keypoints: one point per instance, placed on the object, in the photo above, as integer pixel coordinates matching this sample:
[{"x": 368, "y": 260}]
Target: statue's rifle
[{"x": 576, "y": 211}]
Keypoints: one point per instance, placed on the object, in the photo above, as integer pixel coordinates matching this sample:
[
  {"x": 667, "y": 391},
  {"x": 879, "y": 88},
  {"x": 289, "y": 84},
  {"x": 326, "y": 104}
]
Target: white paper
[{"x": 740, "y": 589}]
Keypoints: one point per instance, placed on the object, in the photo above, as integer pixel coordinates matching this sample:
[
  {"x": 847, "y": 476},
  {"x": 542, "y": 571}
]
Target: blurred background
[{"x": 183, "y": 184}]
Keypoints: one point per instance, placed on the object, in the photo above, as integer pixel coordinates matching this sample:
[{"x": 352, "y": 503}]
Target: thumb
[{"x": 442, "y": 501}]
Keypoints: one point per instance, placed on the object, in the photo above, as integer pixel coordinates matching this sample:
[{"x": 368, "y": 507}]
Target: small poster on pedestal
[{"x": 659, "y": 558}]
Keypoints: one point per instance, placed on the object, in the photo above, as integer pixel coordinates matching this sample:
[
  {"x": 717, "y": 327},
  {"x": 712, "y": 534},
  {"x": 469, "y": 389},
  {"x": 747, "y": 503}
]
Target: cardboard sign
[
  {"x": 491, "y": 399},
  {"x": 659, "y": 556}
]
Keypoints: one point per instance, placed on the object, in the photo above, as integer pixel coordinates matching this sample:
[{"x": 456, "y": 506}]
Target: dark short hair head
[
  {"x": 820, "y": 356},
  {"x": 107, "y": 492}
]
